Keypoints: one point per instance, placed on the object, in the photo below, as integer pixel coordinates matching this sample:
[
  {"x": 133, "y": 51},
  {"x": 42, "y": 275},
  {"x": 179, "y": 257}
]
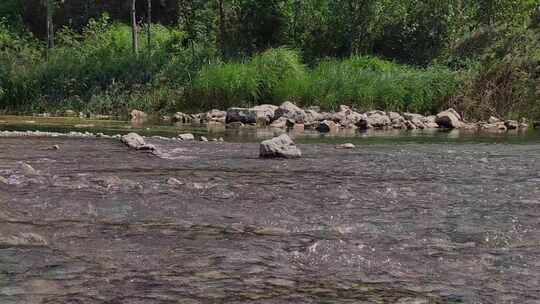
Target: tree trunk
[
  {"x": 222, "y": 33},
  {"x": 149, "y": 24},
  {"x": 50, "y": 25},
  {"x": 134, "y": 31}
]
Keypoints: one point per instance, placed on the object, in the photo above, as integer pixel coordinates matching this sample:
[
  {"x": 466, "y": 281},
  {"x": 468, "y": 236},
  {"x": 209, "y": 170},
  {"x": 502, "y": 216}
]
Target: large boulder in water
[
  {"x": 243, "y": 115},
  {"x": 135, "y": 141},
  {"x": 290, "y": 111},
  {"x": 449, "y": 119},
  {"x": 281, "y": 146}
]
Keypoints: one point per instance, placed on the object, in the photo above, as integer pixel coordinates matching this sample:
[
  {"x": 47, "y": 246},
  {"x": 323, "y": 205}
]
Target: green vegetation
[{"x": 481, "y": 57}]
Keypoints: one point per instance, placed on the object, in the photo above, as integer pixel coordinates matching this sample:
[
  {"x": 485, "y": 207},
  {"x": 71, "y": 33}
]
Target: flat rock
[{"x": 279, "y": 147}]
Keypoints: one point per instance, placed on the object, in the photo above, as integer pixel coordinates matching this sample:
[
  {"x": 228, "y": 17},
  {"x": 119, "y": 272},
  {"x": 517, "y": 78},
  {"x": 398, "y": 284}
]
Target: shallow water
[
  {"x": 418, "y": 222},
  {"x": 250, "y": 134}
]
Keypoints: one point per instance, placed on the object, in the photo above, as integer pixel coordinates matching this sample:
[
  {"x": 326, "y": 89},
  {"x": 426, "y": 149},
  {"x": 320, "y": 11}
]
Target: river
[{"x": 402, "y": 218}]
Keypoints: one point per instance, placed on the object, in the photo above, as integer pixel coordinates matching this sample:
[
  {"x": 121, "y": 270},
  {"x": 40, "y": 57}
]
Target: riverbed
[{"x": 438, "y": 218}]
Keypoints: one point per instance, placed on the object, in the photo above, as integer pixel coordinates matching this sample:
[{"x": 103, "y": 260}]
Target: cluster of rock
[{"x": 291, "y": 117}]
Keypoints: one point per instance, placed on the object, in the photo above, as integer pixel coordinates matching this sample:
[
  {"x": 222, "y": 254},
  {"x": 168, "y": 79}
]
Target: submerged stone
[{"x": 26, "y": 169}]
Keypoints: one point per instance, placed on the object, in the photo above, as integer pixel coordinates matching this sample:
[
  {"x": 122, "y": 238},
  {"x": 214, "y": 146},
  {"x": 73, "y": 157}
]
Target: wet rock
[
  {"x": 500, "y": 127},
  {"x": 216, "y": 116},
  {"x": 511, "y": 124},
  {"x": 53, "y": 147},
  {"x": 313, "y": 116},
  {"x": 204, "y": 139},
  {"x": 449, "y": 119},
  {"x": 186, "y": 136},
  {"x": 345, "y": 146},
  {"x": 243, "y": 115},
  {"x": 429, "y": 122},
  {"x": 375, "y": 119},
  {"x": 135, "y": 141},
  {"x": 3, "y": 180},
  {"x": 416, "y": 119},
  {"x": 409, "y": 125},
  {"x": 347, "y": 117},
  {"x": 235, "y": 125},
  {"x": 328, "y": 126},
  {"x": 298, "y": 128},
  {"x": 201, "y": 186},
  {"x": 277, "y": 231},
  {"x": 281, "y": 146},
  {"x": 493, "y": 120},
  {"x": 280, "y": 123},
  {"x": 265, "y": 113},
  {"x": 22, "y": 240},
  {"x": 395, "y": 117},
  {"x": 137, "y": 115},
  {"x": 26, "y": 169},
  {"x": 182, "y": 118},
  {"x": 291, "y": 111},
  {"x": 174, "y": 182}
]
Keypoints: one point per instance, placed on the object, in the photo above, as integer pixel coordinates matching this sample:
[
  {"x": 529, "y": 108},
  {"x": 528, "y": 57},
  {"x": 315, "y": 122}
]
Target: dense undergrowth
[{"x": 95, "y": 71}]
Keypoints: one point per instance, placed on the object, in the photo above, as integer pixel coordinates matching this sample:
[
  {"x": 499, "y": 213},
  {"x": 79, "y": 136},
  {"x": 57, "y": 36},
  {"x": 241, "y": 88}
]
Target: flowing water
[{"x": 403, "y": 218}]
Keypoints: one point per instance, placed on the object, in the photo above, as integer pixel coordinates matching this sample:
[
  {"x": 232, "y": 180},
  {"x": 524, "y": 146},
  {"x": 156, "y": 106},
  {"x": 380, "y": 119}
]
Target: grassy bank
[{"x": 96, "y": 72}]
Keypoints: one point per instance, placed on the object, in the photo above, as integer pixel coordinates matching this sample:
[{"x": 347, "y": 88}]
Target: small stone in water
[
  {"x": 174, "y": 182},
  {"x": 3, "y": 180},
  {"x": 204, "y": 138},
  {"x": 26, "y": 169},
  {"x": 345, "y": 146},
  {"x": 221, "y": 139},
  {"x": 187, "y": 136}
]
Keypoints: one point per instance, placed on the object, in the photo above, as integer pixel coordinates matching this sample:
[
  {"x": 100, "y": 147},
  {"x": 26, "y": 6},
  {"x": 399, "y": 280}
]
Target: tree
[
  {"x": 49, "y": 6},
  {"x": 149, "y": 24},
  {"x": 134, "y": 30}
]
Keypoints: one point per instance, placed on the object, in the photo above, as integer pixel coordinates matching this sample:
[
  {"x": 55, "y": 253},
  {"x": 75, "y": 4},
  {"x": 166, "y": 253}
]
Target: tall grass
[{"x": 364, "y": 82}]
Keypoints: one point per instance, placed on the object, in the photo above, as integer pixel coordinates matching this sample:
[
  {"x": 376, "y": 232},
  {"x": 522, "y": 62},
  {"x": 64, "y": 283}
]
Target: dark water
[{"x": 429, "y": 220}]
